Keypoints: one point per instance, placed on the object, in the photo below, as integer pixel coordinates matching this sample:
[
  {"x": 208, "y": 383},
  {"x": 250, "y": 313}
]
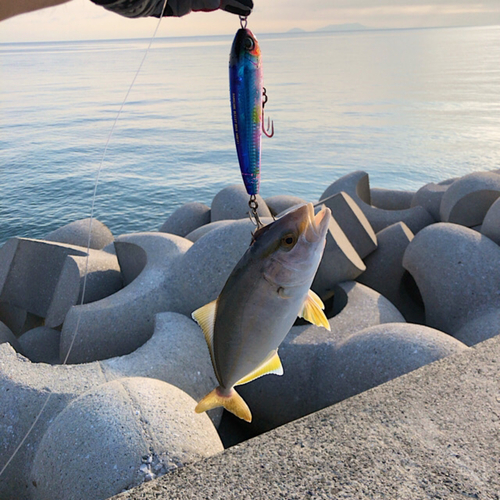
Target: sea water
[{"x": 407, "y": 106}]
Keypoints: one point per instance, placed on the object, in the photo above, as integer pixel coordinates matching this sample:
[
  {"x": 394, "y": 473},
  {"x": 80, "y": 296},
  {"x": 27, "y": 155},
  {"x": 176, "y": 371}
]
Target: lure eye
[
  {"x": 288, "y": 241},
  {"x": 249, "y": 43}
]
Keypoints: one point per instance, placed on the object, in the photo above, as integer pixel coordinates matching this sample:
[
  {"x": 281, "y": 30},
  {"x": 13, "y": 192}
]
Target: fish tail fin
[{"x": 233, "y": 402}]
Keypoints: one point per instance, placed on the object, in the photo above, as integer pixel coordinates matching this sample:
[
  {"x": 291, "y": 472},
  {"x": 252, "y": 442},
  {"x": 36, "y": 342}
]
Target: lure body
[{"x": 245, "y": 84}]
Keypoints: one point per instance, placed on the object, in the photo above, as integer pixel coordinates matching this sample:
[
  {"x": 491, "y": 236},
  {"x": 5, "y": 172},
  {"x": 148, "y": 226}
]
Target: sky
[{"x": 82, "y": 20}]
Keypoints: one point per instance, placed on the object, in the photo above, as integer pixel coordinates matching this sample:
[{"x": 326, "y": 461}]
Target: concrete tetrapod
[
  {"x": 468, "y": 199},
  {"x": 123, "y": 321},
  {"x": 308, "y": 350},
  {"x": 117, "y": 436},
  {"x": 353, "y": 223},
  {"x": 7, "y": 336},
  {"x": 282, "y": 202},
  {"x": 46, "y": 278},
  {"x": 77, "y": 233},
  {"x": 491, "y": 223},
  {"x": 202, "y": 272},
  {"x": 340, "y": 262},
  {"x": 176, "y": 354},
  {"x": 357, "y": 186},
  {"x": 186, "y": 219},
  {"x": 385, "y": 272},
  {"x": 457, "y": 271},
  {"x": 391, "y": 199},
  {"x": 232, "y": 203},
  {"x": 430, "y": 196},
  {"x": 41, "y": 345}
]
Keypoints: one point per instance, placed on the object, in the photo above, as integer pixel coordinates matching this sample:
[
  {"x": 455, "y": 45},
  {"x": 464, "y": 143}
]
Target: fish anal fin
[
  {"x": 205, "y": 317},
  {"x": 312, "y": 311},
  {"x": 233, "y": 402},
  {"x": 272, "y": 364}
]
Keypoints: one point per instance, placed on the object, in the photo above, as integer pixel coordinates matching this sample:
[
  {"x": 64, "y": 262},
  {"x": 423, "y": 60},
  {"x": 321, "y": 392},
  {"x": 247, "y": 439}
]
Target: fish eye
[
  {"x": 288, "y": 241},
  {"x": 249, "y": 43}
]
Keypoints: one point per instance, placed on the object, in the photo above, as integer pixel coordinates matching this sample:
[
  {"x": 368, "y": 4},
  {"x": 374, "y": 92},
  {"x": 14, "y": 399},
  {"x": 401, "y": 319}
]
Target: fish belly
[{"x": 259, "y": 322}]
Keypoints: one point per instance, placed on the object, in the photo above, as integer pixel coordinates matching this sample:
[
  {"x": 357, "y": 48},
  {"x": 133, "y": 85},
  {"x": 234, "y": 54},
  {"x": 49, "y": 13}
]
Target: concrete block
[
  {"x": 308, "y": 349},
  {"x": 232, "y": 203},
  {"x": 491, "y": 223},
  {"x": 123, "y": 321},
  {"x": 479, "y": 329},
  {"x": 117, "y": 436},
  {"x": 468, "y": 199},
  {"x": 186, "y": 219},
  {"x": 7, "y": 336},
  {"x": 176, "y": 354},
  {"x": 353, "y": 223},
  {"x": 457, "y": 271},
  {"x": 429, "y": 197},
  {"x": 204, "y": 269},
  {"x": 77, "y": 233},
  {"x": 201, "y": 231},
  {"x": 430, "y": 433},
  {"x": 46, "y": 278},
  {"x": 391, "y": 199},
  {"x": 340, "y": 262},
  {"x": 282, "y": 202},
  {"x": 357, "y": 186},
  {"x": 13, "y": 317},
  {"x": 41, "y": 345},
  {"x": 385, "y": 272}
]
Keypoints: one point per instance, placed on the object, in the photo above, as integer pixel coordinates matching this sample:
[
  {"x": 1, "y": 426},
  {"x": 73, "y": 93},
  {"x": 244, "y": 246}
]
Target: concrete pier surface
[{"x": 431, "y": 434}]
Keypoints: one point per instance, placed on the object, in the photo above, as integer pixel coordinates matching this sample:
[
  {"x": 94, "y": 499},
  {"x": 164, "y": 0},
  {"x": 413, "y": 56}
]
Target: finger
[{"x": 238, "y": 7}]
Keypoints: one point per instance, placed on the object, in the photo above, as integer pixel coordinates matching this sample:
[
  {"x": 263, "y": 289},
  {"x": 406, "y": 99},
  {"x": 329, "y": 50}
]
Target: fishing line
[{"x": 92, "y": 209}]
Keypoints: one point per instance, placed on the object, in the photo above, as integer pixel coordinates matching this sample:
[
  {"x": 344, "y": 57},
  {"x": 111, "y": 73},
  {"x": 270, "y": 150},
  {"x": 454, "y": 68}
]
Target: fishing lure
[{"x": 248, "y": 98}]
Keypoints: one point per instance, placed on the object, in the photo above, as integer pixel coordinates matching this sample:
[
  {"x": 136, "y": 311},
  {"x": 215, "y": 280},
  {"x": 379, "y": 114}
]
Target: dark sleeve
[{"x": 146, "y": 8}]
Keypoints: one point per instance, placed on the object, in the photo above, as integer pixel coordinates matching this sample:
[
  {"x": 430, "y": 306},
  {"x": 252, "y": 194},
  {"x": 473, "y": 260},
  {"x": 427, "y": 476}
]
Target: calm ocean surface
[{"x": 407, "y": 106}]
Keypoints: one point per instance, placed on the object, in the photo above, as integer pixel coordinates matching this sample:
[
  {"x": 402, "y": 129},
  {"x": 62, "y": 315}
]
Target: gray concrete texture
[
  {"x": 357, "y": 186},
  {"x": 467, "y": 200},
  {"x": 232, "y": 203},
  {"x": 353, "y": 223},
  {"x": 491, "y": 223},
  {"x": 117, "y": 436},
  {"x": 77, "y": 233},
  {"x": 391, "y": 199},
  {"x": 41, "y": 345},
  {"x": 281, "y": 202},
  {"x": 385, "y": 272},
  {"x": 123, "y": 321},
  {"x": 340, "y": 262},
  {"x": 186, "y": 219},
  {"x": 457, "y": 271},
  {"x": 176, "y": 354},
  {"x": 432, "y": 433},
  {"x": 46, "y": 278}
]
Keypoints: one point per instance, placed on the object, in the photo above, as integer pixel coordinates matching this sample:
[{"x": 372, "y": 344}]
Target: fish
[
  {"x": 259, "y": 303},
  {"x": 246, "y": 93}
]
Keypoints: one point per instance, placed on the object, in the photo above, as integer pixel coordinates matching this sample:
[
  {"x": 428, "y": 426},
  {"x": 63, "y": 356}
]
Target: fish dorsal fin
[
  {"x": 205, "y": 317},
  {"x": 312, "y": 311},
  {"x": 272, "y": 364}
]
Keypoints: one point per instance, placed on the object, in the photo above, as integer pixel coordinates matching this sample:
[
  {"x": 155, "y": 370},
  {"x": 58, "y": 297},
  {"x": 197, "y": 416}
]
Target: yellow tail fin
[{"x": 233, "y": 403}]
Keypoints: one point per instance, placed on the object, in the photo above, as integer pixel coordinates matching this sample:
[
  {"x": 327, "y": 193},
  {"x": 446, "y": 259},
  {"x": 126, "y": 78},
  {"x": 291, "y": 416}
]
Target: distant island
[{"x": 334, "y": 27}]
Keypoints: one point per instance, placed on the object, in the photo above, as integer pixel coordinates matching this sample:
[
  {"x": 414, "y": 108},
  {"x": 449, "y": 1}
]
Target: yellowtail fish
[{"x": 267, "y": 290}]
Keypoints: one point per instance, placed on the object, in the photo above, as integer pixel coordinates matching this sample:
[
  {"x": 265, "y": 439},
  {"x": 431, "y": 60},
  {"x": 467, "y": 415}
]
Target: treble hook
[
  {"x": 252, "y": 203},
  {"x": 269, "y": 130}
]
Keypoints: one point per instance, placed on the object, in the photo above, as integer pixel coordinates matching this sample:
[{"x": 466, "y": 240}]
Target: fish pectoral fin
[
  {"x": 205, "y": 317},
  {"x": 272, "y": 364},
  {"x": 312, "y": 311},
  {"x": 232, "y": 402}
]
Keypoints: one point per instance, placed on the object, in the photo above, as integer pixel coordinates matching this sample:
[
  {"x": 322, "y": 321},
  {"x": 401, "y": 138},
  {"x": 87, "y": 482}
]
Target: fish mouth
[{"x": 318, "y": 224}]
